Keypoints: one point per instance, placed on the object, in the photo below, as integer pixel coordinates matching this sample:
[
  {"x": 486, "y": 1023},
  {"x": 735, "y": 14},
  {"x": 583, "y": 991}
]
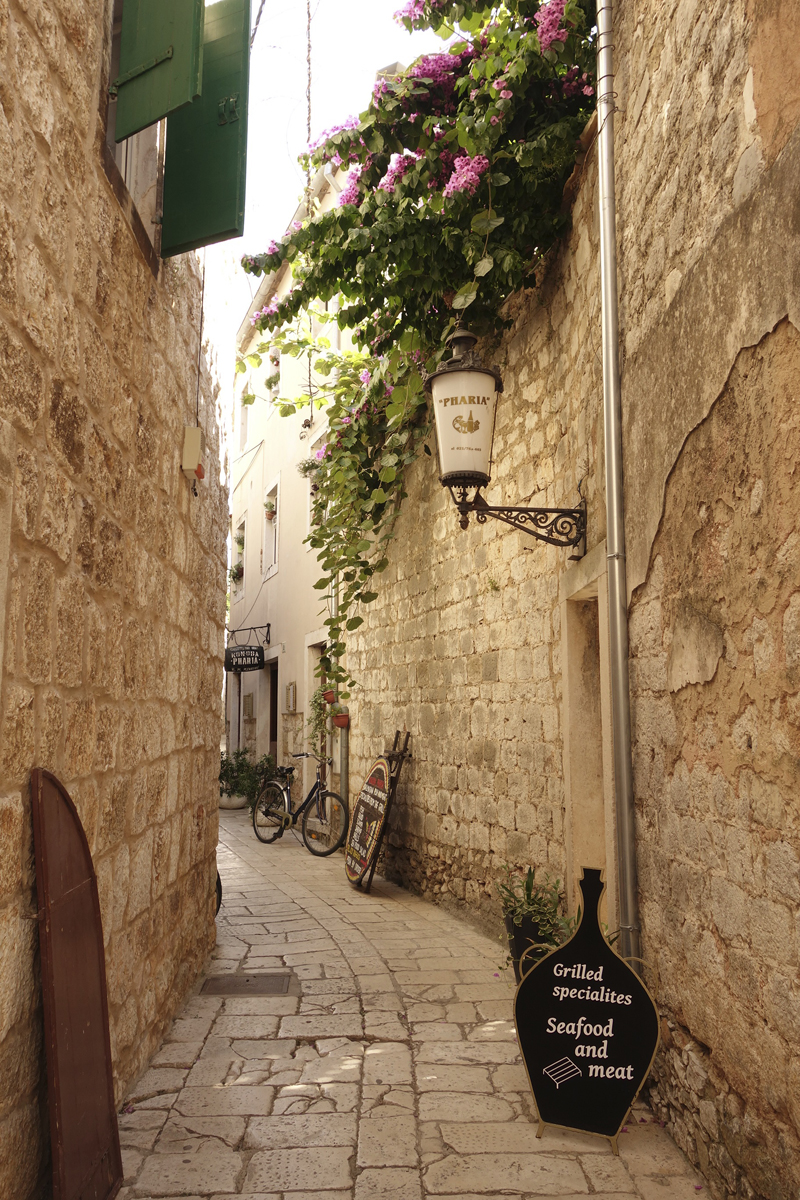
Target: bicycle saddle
[{"x": 284, "y": 771}]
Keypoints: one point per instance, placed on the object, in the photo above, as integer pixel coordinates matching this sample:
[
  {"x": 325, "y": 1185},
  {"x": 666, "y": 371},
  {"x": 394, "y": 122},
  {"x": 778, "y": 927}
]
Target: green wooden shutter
[
  {"x": 161, "y": 61},
  {"x": 206, "y": 153}
]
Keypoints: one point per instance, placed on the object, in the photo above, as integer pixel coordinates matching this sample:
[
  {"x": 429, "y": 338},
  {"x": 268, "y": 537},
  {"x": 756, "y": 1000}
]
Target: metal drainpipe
[
  {"x": 329, "y": 723},
  {"x": 344, "y": 775},
  {"x": 615, "y": 517},
  {"x": 344, "y": 734}
]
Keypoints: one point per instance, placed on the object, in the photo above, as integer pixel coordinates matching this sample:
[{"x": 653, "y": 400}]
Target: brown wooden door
[{"x": 83, "y": 1122}]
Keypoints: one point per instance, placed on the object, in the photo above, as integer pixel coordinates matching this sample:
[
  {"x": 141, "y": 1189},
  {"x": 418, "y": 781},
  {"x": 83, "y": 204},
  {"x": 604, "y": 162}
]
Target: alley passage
[{"x": 393, "y": 1074}]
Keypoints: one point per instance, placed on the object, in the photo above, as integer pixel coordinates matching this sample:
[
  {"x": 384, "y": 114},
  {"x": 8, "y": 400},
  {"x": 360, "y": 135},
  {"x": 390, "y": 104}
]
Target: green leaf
[
  {"x": 484, "y": 266},
  {"x": 499, "y": 179},
  {"x": 364, "y": 546},
  {"x": 354, "y": 623},
  {"x": 321, "y": 583},
  {"x": 368, "y": 597},
  {"x": 465, "y": 296},
  {"x": 485, "y": 222},
  {"x": 241, "y": 366},
  {"x": 248, "y": 398},
  {"x": 254, "y": 360}
]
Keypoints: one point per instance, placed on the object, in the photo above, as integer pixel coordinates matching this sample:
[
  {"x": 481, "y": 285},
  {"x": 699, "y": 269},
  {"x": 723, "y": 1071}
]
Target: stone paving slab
[{"x": 394, "y": 1074}]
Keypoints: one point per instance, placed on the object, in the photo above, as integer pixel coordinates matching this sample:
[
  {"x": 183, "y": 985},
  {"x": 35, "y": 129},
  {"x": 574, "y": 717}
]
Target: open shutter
[
  {"x": 206, "y": 154},
  {"x": 161, "y": 61}
]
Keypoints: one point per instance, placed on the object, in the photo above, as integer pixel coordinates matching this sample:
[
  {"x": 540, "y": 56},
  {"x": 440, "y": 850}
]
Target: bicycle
[{"x": 325, "y": 815}]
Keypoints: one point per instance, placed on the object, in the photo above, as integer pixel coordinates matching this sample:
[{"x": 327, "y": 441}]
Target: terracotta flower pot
[
  {"x": 269, "y": 513},
  {"x": 329, "y": 696},
  {"x": 341, "y": 720}
]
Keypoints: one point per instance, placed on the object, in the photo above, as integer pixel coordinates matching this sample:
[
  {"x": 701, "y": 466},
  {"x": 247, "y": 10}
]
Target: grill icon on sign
[
  {"x": 468, "y": 426},
  {"x": 562, "y": 1070}
]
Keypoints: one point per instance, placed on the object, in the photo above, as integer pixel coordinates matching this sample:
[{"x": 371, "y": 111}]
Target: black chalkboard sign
[
  {"x": 587, "y": 1027},
  {"x": 366, "y": 826},
  {"x": 244, "y": 658}
]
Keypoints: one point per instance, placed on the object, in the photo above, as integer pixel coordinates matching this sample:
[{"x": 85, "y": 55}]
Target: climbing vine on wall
[
  {"x": 454, "y": 193},
  {"x": 374, "y": 431}
]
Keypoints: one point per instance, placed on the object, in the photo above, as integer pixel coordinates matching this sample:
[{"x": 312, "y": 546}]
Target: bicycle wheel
[
  {"x": 325, "y": 824},
  {"x": 268, "y": 813}
]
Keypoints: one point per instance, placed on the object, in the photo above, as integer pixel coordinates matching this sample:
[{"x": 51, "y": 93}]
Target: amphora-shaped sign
[{"x": 587, "y": 1027}]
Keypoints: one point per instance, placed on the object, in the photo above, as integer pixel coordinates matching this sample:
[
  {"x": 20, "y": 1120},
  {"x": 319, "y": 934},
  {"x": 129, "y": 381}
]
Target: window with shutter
[
  {"x": 160, "y": 63},
  {"x": 135, "y": 165},
  {"x": 206, "y": 152}
]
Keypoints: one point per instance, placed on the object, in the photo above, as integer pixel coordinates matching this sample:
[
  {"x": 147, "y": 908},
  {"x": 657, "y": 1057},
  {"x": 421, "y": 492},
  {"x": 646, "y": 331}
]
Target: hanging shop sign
[
  {"x": 587, "y": 1027},
  {"x": 244, "y": 658},
  {"x": 368, "y": 819}
]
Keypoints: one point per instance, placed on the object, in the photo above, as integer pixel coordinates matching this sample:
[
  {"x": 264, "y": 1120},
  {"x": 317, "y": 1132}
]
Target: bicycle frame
[{"x": 315, "y": 792}]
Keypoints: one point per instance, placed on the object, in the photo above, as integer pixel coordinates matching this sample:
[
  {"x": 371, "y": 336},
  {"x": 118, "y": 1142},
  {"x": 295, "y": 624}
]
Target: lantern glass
[{"x": 464, "y": 404}]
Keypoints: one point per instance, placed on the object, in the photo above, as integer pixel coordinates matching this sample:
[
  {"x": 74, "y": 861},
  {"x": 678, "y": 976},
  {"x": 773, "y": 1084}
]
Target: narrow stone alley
[{"x": 389, "y": 1072}]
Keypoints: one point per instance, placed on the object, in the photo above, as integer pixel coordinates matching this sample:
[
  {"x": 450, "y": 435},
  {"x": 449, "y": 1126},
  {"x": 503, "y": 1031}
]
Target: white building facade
[{"x": 273, "y": 602}]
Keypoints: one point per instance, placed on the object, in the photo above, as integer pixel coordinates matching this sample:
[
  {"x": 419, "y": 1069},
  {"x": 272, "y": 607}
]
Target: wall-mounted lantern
[{"x": 464, "y": 396}]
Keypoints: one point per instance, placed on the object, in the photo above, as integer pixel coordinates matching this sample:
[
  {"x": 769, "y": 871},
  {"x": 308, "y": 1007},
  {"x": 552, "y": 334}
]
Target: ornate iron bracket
[{"x": 556, "y": 526}]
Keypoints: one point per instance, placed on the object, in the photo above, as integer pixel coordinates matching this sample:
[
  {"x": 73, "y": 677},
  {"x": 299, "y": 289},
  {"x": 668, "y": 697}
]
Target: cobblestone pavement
[{"x": 392, "y": 1075}]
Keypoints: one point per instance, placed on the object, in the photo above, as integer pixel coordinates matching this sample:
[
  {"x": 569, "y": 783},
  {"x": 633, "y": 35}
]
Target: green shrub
[{"x": 240, "y": 776}]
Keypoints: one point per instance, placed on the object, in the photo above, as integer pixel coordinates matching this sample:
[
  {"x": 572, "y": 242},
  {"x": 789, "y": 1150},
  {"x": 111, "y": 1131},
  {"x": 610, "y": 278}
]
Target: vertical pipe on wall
[
  {"x": 344, "y": 766},
  {"x": 615, "y": 516},
  {"x": 344, "y": 734}
]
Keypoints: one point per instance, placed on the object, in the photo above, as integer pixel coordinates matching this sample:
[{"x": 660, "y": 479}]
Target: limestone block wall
[
  {"x": 463, "y": 646},
  {"x": 112, "y": 574}
]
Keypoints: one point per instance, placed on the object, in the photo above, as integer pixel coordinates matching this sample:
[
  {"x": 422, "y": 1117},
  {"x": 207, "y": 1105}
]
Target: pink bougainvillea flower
[
  {"x": 466, "y": 175},
  {"x": 399, "y": 166},
  {"x": 494, "y": 120},
  {"x": 350, "y": 123},
  {"x": 351, "y": 194},
  {"x": 549, "y": 23},
  {"x": 506, "y": 95},
  {"x": 365, "y": 377}
]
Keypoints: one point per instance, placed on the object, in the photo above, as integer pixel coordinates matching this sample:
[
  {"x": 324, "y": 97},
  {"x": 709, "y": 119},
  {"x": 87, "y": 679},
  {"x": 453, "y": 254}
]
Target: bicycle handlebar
[{"x": 310, "y": 754}]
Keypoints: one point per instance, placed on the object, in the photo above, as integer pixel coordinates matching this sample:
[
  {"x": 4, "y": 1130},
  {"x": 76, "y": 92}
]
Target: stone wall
[
  {"x": 465, "y": 645},
  {"x": 462, "y": 645},
  {"x": 715, "y": 644},
  {"x": 112, "y": 574}
]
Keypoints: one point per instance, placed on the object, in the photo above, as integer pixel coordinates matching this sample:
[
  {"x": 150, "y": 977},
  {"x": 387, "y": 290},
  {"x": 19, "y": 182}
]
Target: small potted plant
[
  {"x": 317, "y": 718},
  {"x": 329, "y": 695},
  {"x": 239, "y": 539},
  {"x": 236, "y": 572},
  {"x": 269, "y": 510},
  {"x": 340, "y": 715},
  {"x": 532, "y": 918}
]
